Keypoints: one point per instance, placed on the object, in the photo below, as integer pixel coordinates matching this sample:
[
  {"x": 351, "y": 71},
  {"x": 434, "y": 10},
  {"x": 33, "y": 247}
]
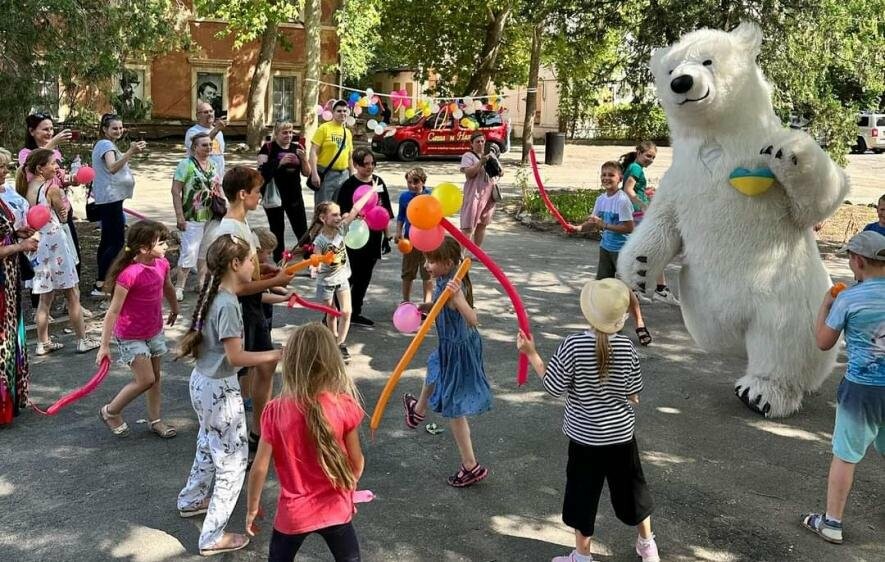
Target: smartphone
[{"x": 75, "y": 135}]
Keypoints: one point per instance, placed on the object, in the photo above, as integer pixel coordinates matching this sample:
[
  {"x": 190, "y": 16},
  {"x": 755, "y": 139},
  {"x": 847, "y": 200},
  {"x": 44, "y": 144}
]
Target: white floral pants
[{"x": 222, "y": 453}]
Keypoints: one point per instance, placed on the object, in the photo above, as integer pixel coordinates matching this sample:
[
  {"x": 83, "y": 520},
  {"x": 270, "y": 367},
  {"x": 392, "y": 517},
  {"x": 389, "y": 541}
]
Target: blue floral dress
[{"x": 455, "y": 368}]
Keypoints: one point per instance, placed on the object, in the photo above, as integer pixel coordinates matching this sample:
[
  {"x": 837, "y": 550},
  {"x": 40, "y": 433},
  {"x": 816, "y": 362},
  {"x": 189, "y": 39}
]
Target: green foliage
[
  {"x": 575, "y": 206},
  {"x": 83, "y": 44},
  {"x": 631, "y": 121},
  {"x": 358, "y": 23},
  {"x": 247, "y": 19}
]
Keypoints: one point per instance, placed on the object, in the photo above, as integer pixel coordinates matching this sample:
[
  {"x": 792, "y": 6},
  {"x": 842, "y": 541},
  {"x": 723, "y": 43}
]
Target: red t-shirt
[
  {"x": 307, "y": 501},
  {"x": 141, "y": 316}
]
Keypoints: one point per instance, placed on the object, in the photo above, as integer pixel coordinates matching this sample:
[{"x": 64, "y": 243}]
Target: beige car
[{"x": 870, "y": 133}]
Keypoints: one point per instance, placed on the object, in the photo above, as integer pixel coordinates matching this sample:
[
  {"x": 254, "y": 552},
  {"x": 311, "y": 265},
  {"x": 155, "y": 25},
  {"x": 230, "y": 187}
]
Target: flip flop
[
  {"x": 433, "y": 429},
  {"x": 241, "y": 543}
]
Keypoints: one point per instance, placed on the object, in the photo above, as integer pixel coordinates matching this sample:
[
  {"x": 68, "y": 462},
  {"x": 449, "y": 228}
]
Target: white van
[{"x": 870, "y": 133}]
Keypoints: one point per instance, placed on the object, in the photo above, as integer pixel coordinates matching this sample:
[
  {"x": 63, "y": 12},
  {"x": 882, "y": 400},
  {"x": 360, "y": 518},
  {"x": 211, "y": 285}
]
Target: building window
[
  {"x": 283, "y": 99},
  {"x": 48, "y": 95}
]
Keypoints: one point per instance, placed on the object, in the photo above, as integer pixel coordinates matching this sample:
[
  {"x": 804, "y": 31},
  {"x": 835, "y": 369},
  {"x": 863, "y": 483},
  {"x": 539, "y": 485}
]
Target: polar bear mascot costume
[{"x": 739, "y": 202}]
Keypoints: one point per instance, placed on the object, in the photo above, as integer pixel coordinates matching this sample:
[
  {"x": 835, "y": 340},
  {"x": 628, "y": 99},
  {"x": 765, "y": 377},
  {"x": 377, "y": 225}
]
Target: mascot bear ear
[
  {"x": 656, "y": 56},
  {"x": 750, "y": 36}
]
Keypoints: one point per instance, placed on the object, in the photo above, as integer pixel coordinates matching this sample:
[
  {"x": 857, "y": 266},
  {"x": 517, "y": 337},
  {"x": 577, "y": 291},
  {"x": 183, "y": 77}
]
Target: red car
[{"x": 440, "y": 134}]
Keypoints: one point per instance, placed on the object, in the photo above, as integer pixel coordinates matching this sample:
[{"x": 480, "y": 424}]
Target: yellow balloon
[
  {"x": 467, "y": 123},
  {"x": 363, "y": 102},
  {"x": 449, "y": 196},
  {"x": 410, "y": 113}
]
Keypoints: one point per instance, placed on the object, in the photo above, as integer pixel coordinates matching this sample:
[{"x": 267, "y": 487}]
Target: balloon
[
  {"x": 449, "y": 196},
  {"x": 310, "y": 305},
  {"x": 457, "y": 114},
  {"x": 327, "y": 115},
  {"x": 467, "y": 100},
  {"x": 379, "y": 130},
  {"x": 477, "y": 105},
  {"x": 426, "y": 240},
  {"x": 410, "y": 113},
  {"x": 350, "y": 121},
  {"x": 319, "y": 109},
  {"x": 364, "y": 102},
  {"x": 357, "y": 110},
  {"x": 314, "y": 261},
  {"x": 407, "y": 318},
  {"x": 79, "y": 393},
  {"x": 413, "y": 347},
  {"x": 354, "y": 97},
  {"x": 466, "y": 123},
  {"x": 371, "y": 124},
  {"x": 424, "y": 212},
  {"x": 377, "y": 218},
  {"x": 543, "y": 192},
  {"x": 382, "y": 124},
  {"x": 405, "y": 98},
  {"x": 84, "y": 175},
  {"x": 360, "y": 191},
  {"x": 357, "y": 235},
  {"x": 370, "y": 92},
  {"x": 453, "y": 107},
  {"x": 372, "y": 109},
  {"x": 404, "y": 245},
  {"x": 38, "y": 216},
  {"x": 469, "y": 109}
]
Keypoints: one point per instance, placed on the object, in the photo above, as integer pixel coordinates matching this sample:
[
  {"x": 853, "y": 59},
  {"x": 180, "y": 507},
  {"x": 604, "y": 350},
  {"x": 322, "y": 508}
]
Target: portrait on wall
[
  {"x": 210, "y": 89},
  {"x": 129, "y": 100}
]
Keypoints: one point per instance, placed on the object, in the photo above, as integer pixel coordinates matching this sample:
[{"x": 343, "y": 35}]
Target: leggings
[
  {"x": 341, "y": 540},
  {"x": 113, "y": 234},
  {"x": 294, "y": 209}
]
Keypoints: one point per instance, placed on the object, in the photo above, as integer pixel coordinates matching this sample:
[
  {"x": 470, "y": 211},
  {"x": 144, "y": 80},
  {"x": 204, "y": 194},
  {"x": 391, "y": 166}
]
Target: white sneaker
[
  {"x": 179, "y": 294},
  {"x": 87, "y": 344},
  {"x": 48, "y": 347},
  {"x": 642, "y": 298},
  {"x": 666, "y": 295}
]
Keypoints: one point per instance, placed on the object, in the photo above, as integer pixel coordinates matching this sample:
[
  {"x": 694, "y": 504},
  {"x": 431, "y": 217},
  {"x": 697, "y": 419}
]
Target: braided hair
[
  {"x": 144, "y": 234},
  {"x": 219, "y": 257}
]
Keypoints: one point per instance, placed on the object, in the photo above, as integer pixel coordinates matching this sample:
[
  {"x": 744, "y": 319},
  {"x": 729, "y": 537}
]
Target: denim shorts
[
  {"x": 326, "y": 292},
  {"x": 130, "y": 349},
  {"x": 860, "y": 421}
]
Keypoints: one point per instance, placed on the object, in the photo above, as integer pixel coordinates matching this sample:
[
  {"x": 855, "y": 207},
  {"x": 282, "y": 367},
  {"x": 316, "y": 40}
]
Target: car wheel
[
  {"x": 407, "y": 151},
  {"x": 860, "y": 147}
]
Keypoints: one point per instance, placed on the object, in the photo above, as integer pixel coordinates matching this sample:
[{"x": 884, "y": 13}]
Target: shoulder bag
[{"x": 334, "y": 159}]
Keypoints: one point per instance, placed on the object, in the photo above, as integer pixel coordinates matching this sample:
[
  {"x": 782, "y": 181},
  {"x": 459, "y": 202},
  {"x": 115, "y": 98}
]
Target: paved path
[{"x": 729, "y": 486}]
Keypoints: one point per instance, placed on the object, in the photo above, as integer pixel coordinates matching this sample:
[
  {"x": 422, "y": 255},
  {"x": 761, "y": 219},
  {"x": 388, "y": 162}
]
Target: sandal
[
  {"x": 413, "y": 418},
  {"x": 121, "y": 430},
  {"x": 162, "y": 429},
  {"x": 643, "y": 335},
  {"x": 818, "y": 524},
  {"x": 237, "y": 542},
  {"x": 464, "y": 477}
]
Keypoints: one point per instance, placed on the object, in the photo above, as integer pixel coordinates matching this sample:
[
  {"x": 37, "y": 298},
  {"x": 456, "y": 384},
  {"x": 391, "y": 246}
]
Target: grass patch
[{"x": 575, "y": 205}]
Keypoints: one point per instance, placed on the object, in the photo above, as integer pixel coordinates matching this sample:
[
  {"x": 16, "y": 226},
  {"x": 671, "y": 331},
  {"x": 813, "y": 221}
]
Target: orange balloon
[
  {"x": 837, "y": 288},
  {"x": 424, "y": 212},
  {"x": 404, "y": 245}
]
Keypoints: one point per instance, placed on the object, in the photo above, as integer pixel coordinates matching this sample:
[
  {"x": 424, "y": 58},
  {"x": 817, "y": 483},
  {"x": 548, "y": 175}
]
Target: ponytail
[
  {"x": 141, "y": 235},
  {"x": 630, "y": 157},
  {"x": 603, "y": 355}
]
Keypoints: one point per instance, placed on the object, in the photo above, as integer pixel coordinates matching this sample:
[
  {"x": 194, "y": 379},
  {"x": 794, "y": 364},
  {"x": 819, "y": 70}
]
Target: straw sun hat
[{"x": 604, "y": 304}]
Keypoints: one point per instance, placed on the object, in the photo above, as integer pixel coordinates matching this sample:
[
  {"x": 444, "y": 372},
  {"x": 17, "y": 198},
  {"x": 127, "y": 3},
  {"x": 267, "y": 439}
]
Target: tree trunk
[
  {"x": 531, "y": 98},
  {"x": 256, "y": 110},
  {"x": 310, "y": 91},
  {"x": 480, "y": 82}
]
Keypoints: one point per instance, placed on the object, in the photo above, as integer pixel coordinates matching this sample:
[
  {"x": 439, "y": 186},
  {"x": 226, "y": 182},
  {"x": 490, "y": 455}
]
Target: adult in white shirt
[{"x": 207, "y": 123}]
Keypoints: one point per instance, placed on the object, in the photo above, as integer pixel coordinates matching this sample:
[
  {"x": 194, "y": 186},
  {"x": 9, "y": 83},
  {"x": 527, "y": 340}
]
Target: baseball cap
[{"x": 869, "y": 244}]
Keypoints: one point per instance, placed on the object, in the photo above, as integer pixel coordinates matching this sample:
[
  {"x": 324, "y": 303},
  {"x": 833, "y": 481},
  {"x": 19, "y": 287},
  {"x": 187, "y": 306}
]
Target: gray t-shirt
[
  {"x": 338, "y": 272},
  {"x": 217, "y": 155},
  {"x": 108, "y": 187},
  {"x": 223, "y": 320}
]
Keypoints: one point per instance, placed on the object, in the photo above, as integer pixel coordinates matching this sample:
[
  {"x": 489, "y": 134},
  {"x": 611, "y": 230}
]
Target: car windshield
[{"x": 489, "y": 118}]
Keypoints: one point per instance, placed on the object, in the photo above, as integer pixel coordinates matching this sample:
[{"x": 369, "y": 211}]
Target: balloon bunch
[
  {"x": 427, "y": 214},
  {"x": 374, "y": 217}
]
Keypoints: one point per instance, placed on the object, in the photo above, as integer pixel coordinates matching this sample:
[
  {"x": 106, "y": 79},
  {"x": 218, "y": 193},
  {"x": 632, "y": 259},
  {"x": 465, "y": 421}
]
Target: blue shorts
[
  {"x": 860, "y": 420},
  {"x": 130, "y": 349},
  {"x": 325, "y": 293}
]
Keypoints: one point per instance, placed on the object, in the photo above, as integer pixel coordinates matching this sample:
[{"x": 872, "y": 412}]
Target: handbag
[
  {"x": 334, "y": 159},
  {"x": 26, "y": 268},
  {"x": 271, "y": 198},
  {"x": 496, "y": 193},
  {"x": 218, "y": 206},
  {"x": 92, "y": 214}
]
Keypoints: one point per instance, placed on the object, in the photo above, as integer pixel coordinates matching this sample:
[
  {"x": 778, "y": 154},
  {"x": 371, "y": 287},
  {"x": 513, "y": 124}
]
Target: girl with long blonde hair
[{"x": 312, "y": 433}]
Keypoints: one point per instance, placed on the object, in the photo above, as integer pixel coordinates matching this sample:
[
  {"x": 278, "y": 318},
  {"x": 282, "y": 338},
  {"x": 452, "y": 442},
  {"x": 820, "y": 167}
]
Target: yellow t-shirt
[{"x": 328, "y": 139}]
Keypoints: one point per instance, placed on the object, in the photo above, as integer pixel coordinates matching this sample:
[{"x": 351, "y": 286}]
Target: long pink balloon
[
  {"x": 522, "y": 318},
  {"x": 546, "y": 198},
  {"x": 79, "y": 393},
  {"x": 296, "y": 299}
]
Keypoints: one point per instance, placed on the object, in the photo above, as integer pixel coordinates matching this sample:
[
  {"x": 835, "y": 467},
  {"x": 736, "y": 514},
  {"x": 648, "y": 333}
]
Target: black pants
[
  {"x": 294, "y": 209},
  {"x": 75, "y": 239},
  {"x": 113, "y": 234},
  {"x": 341, "y": 540},
  {"x": 361, "y": 266}
]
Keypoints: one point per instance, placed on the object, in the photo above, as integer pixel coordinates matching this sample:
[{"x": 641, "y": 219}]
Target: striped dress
[{"x": 596, "y": 412}]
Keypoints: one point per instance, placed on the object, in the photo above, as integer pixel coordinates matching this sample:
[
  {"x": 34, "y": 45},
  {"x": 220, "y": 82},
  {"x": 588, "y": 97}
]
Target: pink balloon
[
  {"x": 84, "y": 175},
  {"x": 373, "y": 200},
  {"x": 357, "y": 110},
  {"x": 38, "y": 216},
  {"x": 426, "y": 240},
  {"x": 407, "y": 318},
  {"x": 377, "y": 218}
]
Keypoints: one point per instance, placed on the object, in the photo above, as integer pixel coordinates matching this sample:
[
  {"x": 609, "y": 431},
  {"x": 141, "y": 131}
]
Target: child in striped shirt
[{"x": 599, "y": 371}]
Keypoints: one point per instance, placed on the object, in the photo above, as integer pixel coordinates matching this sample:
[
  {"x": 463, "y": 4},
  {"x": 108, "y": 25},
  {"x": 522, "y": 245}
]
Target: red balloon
[
  {"x": 38, "y": 216},
  {"x": 84, "y": 175},
  {"x": 377, "y": 218},
  {"x": 426, "y": 240}
]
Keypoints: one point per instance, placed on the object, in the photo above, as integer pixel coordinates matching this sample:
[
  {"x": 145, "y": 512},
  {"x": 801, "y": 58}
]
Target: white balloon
[
  {"x": 382, "y": 124},
  {"x": 469, "y": 109},
  {"x": 477, "y": 105},
  {"x": 457, "y": 114},
  {"x": 434, "y": 108},
  {"x": 370, "y": 92},
  {"x": 467, "y": 100},
  {"x": 372, "y": 124},
  {"x": 351, "y": 121},
  {"x": 379, "y": 130}
]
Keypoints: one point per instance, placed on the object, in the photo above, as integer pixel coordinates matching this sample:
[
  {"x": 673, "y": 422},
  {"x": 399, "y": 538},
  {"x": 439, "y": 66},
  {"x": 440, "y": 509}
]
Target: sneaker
[
  {"x": 344, "y": 353},
  {"x": 642, "y": 298},
  {"x": 666, "y": 295},
  {"x": 45, "y": 348},
  {"x": 87, "y": 344},
  {"x": 818, "y": 524},
  {"x": 413, "y": 418},
  {"x": 648, "y": 551},
  {"x": 179, "y": 294},
  {"x": 97, "y": 292},
  {"x": 360, "y": 320},
  {"x": 572, "y": 557},
  {"x": 464, "y": 477},
  {"x": 247, "y": 404}
]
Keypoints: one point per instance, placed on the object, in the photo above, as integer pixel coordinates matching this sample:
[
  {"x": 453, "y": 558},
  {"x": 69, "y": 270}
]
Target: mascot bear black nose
[{"x": 682, "y": 84}]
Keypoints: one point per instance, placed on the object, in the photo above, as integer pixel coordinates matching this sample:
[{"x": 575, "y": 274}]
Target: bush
[
  {"x": 575, "y": 206},
  {"x": 631, "y": 121}
]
